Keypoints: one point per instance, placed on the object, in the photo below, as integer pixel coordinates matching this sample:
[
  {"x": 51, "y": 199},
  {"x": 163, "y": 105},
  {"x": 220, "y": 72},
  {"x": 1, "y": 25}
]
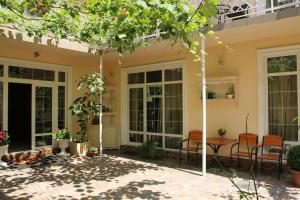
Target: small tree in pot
[
  {"x": 294, "y": 162},
  {"x": 88, "y": 105}
]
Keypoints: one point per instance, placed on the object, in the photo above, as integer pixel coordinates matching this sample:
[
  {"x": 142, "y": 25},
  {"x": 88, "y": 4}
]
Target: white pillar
[
  {"x": 100, "y": 114},
  {"x": 203, "y": 52}
]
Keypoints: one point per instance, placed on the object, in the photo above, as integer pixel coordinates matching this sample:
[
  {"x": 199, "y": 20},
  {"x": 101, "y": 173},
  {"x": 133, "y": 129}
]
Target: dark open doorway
[{"x": 19, "y": 116}]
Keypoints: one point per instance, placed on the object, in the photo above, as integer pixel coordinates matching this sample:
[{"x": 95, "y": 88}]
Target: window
[
  {"x": 283, "y": 97},
  {"x": 61, "y": 77},
  {"x": 30, "y": 73},
  {"x": 136, "y": 78},
  {"x": 156, "y": 107},
  {"x": 1, "y": 70},
  {"x": 43, "y": 114},
  {"x": 61, "y": 107}
]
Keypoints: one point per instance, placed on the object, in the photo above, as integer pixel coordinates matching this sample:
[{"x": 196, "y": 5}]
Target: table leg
[{"x": 215, "y": 158}]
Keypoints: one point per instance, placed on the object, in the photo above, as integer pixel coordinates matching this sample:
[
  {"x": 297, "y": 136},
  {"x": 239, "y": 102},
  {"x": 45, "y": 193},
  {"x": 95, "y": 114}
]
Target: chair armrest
[
  {"x": 233, "y": 145},
  {"x": 182, "y": 141}
]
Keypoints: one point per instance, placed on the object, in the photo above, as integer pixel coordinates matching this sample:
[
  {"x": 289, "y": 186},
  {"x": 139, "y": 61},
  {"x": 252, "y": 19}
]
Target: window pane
[
  {"x": 43, "y": 115},
  {"x": 172, "y": 142},
  {"x": 136, "y": 78},
  {"x": 61, "y": 76},
  {"x": 283, "y": 106},
  {"x": 154, "y": 109},
  {"x": 14, "y": 72},
  {"x": 61, "y": 107},
  {"x": 135, "y": 137},
  {"x": 136, "y": 109},
  {"x": 282, "y": 64},
  {"x": 173, "y": 74},
  {"x": 43, "y": 140},
  {"x": 154, "y": 76},
  {"x": 49, "y": 75},
  {"x": 173, "y": 109},
  {"x": 156, "y": 139},
  {"x": 38, "y": 74},
  {"x": 25, "y": 73},
  {"x": 1, "y": 70}
]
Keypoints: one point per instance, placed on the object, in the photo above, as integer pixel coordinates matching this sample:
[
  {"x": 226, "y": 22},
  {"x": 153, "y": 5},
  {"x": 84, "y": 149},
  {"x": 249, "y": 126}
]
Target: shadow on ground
[{"x": 78, "y": 172}]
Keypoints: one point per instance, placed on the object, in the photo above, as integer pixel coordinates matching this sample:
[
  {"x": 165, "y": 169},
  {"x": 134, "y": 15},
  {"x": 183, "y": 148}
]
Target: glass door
[
  {"x": 283, "y": 97},
  {"x": 43, "y": 115}
]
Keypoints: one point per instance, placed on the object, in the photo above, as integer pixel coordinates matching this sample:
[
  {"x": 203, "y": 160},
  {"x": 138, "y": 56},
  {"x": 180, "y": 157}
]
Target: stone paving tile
[{"x": 120, "y": 177}]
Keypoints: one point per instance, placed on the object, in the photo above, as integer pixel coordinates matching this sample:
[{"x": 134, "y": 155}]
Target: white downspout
[{"x": 203, "y": 105}]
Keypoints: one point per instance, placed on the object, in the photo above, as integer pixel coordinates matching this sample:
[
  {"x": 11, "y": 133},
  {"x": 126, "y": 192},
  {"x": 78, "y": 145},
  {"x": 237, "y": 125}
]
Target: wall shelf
[{"x": 222, "y": 89}]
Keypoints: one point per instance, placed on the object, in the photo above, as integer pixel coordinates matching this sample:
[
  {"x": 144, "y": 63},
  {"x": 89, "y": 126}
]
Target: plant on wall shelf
[{"x": 88, "y": 105}]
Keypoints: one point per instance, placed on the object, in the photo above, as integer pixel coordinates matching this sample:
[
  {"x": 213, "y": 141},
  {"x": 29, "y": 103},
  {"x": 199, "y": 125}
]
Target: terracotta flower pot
[{"x": 296, "y": 177}]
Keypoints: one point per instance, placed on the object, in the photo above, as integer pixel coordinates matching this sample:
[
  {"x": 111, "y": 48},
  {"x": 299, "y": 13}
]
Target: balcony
[{"x": 231, "y": 10}]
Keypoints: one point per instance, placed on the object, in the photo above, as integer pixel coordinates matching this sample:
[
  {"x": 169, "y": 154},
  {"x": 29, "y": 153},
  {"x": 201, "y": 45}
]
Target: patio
[{"x": 119, "y": 176}]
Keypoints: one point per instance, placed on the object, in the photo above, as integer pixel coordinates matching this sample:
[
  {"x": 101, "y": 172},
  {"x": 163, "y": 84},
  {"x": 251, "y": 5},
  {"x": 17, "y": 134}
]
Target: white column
[
  {"x": 203, "y": 52},
  {"x": 100, "y": 114}
]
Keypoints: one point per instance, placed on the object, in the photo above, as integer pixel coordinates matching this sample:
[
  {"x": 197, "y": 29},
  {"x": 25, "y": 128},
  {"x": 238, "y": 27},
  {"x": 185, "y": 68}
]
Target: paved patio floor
[{"x": 123, "y": 177}]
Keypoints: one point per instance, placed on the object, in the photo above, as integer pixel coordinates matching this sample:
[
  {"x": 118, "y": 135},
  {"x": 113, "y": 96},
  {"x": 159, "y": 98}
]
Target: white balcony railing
[{"x": 229, "y": 10}]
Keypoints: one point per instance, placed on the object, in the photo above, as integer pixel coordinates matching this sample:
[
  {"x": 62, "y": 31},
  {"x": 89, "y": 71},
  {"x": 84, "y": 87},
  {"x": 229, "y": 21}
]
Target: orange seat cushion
[{"x": 269, "y": 156}]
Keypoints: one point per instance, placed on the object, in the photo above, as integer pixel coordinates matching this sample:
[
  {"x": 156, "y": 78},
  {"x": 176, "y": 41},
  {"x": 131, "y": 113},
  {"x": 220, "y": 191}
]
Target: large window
[
  {"x": 283, "y": 97},
  {"x": 156, "y": 106}
]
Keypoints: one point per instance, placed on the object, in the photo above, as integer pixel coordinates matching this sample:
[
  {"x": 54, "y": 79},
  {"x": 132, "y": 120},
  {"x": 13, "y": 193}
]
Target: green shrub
[
  {"x": 294, "y": 158},
  {"x": 149, "y": 151}
]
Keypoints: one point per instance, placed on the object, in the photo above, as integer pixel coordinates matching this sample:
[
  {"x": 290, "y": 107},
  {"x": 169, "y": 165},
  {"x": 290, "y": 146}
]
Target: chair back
[
  {"x": 195, "y": 135},
  {"x": 273, "y": 141},
  {"x": 251, "y": 137}
]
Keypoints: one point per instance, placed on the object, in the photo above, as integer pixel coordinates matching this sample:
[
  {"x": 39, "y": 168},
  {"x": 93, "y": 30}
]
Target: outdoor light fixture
[{"x": 36, "y": 54}]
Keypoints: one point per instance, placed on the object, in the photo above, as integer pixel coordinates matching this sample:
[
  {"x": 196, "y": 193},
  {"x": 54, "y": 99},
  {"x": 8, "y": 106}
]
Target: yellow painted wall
[
  {"x": 240, "y": 60},
  {"x": 80, "y": 63}
]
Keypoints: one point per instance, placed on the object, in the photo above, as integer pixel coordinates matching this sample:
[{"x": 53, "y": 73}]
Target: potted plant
[
  {"x": 230, "y": 93},
  {"x": 93, "y": 151},
  {"x": 4, "y": 141},
  {"x": 62, "y": 136},
  {"x": 86, "y": 108},
  {"x": 222, "y": 132},
  {"x": 294, "y": 163}
]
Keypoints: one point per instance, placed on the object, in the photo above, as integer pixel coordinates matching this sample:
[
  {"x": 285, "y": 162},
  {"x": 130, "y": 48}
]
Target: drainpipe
[{"x": 203, "y": 105}]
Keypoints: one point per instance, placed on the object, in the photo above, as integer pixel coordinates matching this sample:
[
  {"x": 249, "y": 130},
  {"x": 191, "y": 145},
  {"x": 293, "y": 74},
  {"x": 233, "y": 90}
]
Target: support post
[
  {"x": 203, "y": 52},
  {"x": 100, "y": 114}
]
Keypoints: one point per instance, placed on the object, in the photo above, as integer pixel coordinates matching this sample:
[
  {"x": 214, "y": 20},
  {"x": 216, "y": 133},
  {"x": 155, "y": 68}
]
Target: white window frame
[
  {"x": 263, "y": 75},
  {"x": 124, "y": 97},
  {"x": 54, "y": 84}
]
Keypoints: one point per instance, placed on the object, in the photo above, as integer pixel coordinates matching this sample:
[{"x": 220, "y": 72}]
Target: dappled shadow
[
  {"x": 78, "y": 172},
  {"x": 132, "y": 190},
  {"x": 267, "y": 183}
]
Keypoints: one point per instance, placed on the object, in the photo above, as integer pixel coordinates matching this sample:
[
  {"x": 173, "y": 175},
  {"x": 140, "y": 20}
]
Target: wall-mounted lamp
[
  {"x": 220, "y": 63},
  {"x": 36, "y": 54}
]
